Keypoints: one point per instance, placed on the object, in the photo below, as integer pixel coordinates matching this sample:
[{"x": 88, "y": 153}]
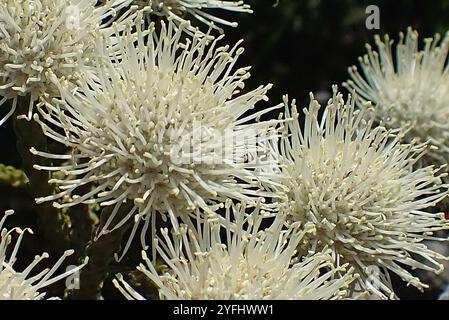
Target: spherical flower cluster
[
  {"x": 177, "y": 9},
  {"x": 163, "y": 127},
  {"x": 356, "y": 184},
  {"x": 45, "y": 39},
  {"x": 15, "y": 285},
  {"x": 409, "y": 89},
  {"x": 251, "y": 264}
]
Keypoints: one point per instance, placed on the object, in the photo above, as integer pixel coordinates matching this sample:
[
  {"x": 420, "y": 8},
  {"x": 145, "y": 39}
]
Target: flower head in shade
[
  {"x": 409, "y": 89},
  {"x": 26, "y": 284},
  {"x": 163, "y": 127},
  {"x": 356, "y": 184},
  {"x": 250, "y": 264},
  {"x": 41, "y": 40},
  {"x": 198, "y": 9}
]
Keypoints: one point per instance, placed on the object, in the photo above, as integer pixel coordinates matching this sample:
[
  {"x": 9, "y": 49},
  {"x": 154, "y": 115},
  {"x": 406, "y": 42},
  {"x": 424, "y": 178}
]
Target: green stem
[
  {"x": 51, "y": 221},
  {"x": 101, "y": 254},
  {"x": 82, "y": 224}
]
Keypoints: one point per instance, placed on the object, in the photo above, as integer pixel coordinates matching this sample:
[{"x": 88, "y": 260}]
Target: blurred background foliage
[{"x": 300, "y": 46}]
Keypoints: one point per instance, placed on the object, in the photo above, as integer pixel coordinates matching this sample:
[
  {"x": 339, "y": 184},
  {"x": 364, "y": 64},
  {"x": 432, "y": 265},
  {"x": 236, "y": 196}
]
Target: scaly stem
[
  {"x": 51, "y": 220},
  {"x": 82, "y": 224},
  {"x": 101, "y": 254}
]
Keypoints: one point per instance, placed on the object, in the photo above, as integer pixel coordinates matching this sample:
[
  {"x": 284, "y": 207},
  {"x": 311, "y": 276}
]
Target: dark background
[
  {"x": 304, "y": 46},
  {"x": 300, "y": 46}
]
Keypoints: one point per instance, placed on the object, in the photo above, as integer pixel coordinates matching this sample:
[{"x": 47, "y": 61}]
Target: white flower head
[
  {"x": 356, "y": 184},
  {"x": 250, "y": 264},
  {"x": 199, "y": 9},
  {"x": 24, "y": 285},
  {"x": 409, "y": 89},
  {"x": 162, "y": 127},
  {"x": 45, "y": 39}
]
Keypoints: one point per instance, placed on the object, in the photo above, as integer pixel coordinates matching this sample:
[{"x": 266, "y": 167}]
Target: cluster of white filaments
[
  {"x": 409, "y": 89},
  {"x": 25, "y": 285},
  {"x": 41, "y": 40},
  {"x": 163, "y": 127},
  {"x": 177, "y": 9},
  {"x": 356, "y": 184},
  {"x": 251, "y": 264}
]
